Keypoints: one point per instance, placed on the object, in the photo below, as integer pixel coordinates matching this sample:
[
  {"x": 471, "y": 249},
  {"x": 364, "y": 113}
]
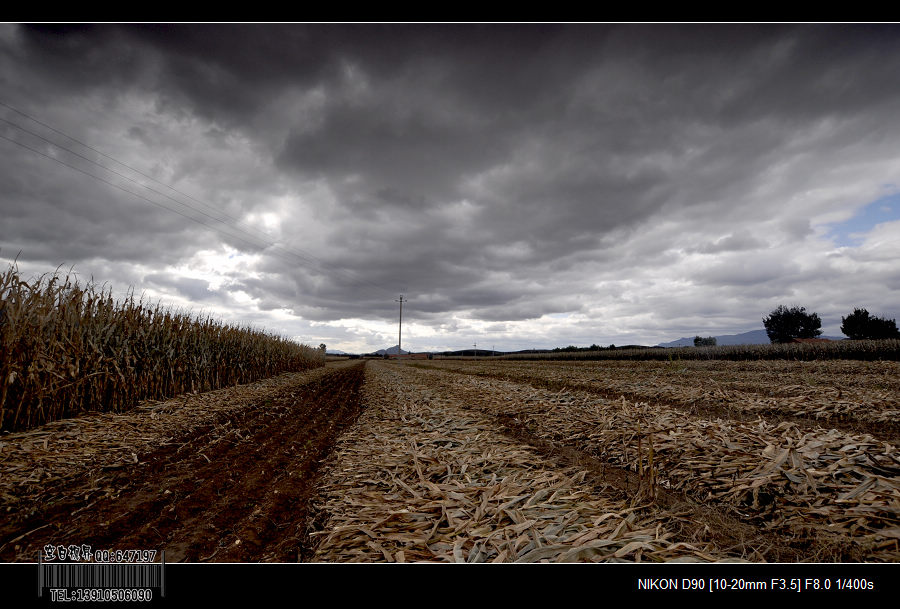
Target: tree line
[{"x": 784, "y": 324}]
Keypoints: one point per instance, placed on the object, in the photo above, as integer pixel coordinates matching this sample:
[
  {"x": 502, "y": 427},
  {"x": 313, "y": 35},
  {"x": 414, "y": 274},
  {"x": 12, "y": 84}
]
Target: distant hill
[
  {"x": 336, "y": 352},
  {"x": 391, "y": 351},
  {"x": 753, "y": 337},
  {"x": 475, "y": 353}
]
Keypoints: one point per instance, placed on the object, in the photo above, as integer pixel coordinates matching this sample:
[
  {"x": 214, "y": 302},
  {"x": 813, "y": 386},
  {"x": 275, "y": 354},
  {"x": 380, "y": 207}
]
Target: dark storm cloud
[
  {"x": 68, "y": 219},
  {"x": 498, "y": 172},
  {"x": 73, "y": 57},
  {"x": 226, "y": 71}
]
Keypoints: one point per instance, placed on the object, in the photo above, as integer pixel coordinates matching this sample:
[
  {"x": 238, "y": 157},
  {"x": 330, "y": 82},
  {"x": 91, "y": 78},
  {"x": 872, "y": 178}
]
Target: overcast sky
[{"x": 521, "y": 185}]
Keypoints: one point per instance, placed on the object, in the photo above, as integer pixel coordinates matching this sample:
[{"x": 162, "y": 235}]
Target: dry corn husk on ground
[
  {"x": 446, "y": 467},
  {"x": 838, "y": 489},
  {"x": 860, "y": 392},
  {"x": 421, "y": 478}
]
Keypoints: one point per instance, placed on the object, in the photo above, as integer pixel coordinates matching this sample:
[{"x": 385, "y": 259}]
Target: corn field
[{"x": 67, "y": 348}]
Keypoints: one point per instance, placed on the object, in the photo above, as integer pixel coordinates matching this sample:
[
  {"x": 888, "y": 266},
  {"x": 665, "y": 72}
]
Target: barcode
[{"x": 87, "y": 575}]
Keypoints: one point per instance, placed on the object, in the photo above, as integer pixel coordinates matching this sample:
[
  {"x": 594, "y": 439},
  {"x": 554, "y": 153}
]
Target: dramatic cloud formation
[{"x": 523, "y": 185}]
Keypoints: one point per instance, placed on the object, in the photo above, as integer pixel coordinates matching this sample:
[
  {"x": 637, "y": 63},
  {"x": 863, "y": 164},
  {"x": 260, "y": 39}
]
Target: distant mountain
[
  {"x": 336, "y": 352},
  {"x": 753, "y": 337},
  {"x": 479, "y": 353},
  {"x": 391, "y": 351}
]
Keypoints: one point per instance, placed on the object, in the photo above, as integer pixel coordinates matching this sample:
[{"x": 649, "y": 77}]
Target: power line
[
  {"x": 121, "y": 175},
  {"x": 184, "y": 215},
  {"x": 131, "y": 192},
  {"x": 103, "y": 154},
  {"x": 266, "y": 236},
  {"x": 130, "y": 179},
  {"x": 267, "y": 242}
]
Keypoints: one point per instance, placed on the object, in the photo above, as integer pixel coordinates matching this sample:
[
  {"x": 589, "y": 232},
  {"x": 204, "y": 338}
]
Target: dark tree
[
  {"x": 884, "y": 328},
  {"x": 859, "y": 325},
  {"x": 709, "y": 341},
  {"x": 856, "y": 325},
  {"x": 785, "y": 324}
]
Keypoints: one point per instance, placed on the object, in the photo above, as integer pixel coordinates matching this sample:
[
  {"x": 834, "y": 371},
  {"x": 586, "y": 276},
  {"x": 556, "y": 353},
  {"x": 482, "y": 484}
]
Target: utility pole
[
  {"x": 400, "y": 334},
  {"x": 475, "y": 346}
]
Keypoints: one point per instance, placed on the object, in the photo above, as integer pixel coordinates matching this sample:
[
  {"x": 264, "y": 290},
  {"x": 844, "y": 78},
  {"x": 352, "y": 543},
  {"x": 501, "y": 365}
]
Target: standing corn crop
[{"x": 66, "y": 349}]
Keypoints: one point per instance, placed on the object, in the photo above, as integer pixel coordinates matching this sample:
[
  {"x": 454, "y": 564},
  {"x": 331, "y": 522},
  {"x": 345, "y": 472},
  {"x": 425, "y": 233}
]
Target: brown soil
[{"x": 234, "y": 491}]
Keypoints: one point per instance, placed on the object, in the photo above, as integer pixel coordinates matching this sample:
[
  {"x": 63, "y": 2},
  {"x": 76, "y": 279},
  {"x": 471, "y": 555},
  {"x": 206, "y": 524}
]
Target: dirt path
[{"x": 233, "y": 490}]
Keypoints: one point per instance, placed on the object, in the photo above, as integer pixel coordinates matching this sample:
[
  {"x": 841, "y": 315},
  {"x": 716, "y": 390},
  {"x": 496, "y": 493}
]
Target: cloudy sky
[{"x": 521, "y": 185}]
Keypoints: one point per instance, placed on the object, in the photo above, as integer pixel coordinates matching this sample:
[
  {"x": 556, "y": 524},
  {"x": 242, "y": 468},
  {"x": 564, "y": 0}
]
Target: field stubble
[
  {"x": 852, "y": 395},
  {"x": 833, "y": 494},
  {"x": 221, "y": 476},
  {"x": 474, "y": 462},
  {"x": 422, "y": 478}
]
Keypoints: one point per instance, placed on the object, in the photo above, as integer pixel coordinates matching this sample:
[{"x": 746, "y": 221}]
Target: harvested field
[
  {"x": 422, "y": 478},
  {"x": 469, "y": 462},
  {"x": 869, "y": 350},
  {"x": 220, "y": 476},
  {"x": 852, "y": 395},
  {"x": 830, "y": 495}
]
